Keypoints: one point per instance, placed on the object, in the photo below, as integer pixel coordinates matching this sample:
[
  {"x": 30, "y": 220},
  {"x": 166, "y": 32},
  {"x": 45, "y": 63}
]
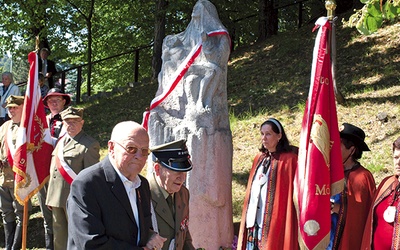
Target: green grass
[{"x": 272, "y": 79}]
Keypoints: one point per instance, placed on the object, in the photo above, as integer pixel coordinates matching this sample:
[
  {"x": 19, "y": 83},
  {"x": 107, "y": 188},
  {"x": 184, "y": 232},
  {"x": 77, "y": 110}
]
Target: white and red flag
[
  {"x": 33, "y": 155},
  {"x": 320, "y": 171}
]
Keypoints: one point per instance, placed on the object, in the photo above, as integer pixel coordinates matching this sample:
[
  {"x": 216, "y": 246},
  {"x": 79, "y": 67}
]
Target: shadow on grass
[
  {"x": 241, "y": 178},
  {"x": 35, "y": 234}
]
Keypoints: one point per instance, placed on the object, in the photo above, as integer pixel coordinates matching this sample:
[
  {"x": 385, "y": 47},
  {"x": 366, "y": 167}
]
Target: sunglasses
[{"x": 133, "y": 150}]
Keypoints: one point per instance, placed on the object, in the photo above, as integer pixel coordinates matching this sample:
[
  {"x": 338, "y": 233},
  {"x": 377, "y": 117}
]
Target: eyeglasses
[
  {"x": 133, "y": 150},
  {"x": 55, "y": 100}
]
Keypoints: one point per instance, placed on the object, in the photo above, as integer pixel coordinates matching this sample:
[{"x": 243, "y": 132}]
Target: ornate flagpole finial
[
  {"x": 37, "y": 44},
  {"x": 330, "y": 6}
]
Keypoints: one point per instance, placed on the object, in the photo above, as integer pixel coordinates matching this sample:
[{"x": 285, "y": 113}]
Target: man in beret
[
  {"x": 11, "y": 210},
  {"x": 171, "y": 162},
  {"x": 75, "y": 151},
  {"x": 349, "y": 209}
]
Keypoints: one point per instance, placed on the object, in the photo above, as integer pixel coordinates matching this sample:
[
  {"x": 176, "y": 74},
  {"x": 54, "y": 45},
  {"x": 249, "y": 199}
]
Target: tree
[
  {"x": 267, "y": 20},
  {"x": 373, "y": 14},
  {"x": 159, "y": 34},
  {"x": 79, "y": 32},
  {"x": 88, "y": 20}
]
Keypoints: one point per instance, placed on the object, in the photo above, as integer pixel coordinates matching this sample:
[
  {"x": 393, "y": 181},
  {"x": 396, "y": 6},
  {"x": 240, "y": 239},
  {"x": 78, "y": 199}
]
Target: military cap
[
  {"x": 14, "y": 101},
  {"x": 71, "y": 113},
  {"x": 173, "y": 155}
]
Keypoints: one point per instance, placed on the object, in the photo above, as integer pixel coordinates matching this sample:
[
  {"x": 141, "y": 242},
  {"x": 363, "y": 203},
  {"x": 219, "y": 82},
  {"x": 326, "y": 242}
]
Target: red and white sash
[
  {"x": 65, "y": 170},
  {"x": 11, "y": 149}
]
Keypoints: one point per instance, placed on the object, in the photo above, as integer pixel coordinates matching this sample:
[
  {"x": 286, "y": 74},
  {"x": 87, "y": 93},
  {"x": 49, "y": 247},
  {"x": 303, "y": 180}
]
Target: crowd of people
[
  {"x": 362, "y": 217},
  {"x": 107, "y": 204},
  {"x": 91, "y": 217}
]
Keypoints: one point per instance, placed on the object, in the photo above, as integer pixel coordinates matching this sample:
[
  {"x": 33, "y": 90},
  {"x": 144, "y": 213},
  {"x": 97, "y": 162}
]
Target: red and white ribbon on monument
[
  {"x": 181, "y": 71},
  {"x": 65, "y": 170}
]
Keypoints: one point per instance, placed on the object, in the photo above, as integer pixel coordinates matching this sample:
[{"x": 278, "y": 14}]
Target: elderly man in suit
[
  {"x": 109, "y": 203},
  {"x": 171, "y": 162},
  {"x": 74, "y": 151}
]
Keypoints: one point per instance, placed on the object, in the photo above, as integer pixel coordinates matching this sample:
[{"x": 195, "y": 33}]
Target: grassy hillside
[{"x": 272, "y": 79}]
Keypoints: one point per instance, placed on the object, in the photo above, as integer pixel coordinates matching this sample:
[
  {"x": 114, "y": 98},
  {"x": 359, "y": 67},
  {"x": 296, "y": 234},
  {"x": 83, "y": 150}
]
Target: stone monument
[{"x": 191, "y": 103}]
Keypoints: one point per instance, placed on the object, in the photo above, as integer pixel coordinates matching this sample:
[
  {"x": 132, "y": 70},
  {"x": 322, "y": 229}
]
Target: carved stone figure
[{"x": 193, "y": 93}]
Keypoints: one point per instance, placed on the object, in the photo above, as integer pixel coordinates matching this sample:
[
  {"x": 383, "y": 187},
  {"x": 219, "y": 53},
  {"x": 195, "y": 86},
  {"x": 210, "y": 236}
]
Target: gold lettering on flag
[
  {"x": 324, "y": 80},
  {"x": 322, "y": 191}
]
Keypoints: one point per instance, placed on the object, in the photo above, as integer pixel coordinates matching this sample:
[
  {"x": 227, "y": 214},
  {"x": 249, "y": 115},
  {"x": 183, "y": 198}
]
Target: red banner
[
  {"x": 320, "y": 170},
  {"x": 33, "y": 155}
]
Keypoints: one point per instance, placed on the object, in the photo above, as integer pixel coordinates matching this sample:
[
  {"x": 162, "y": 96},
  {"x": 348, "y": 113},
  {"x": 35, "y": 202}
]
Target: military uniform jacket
[
  {"x": 79, "y": 153},
  {"x": 168, "y": 228},
  {"x": 6, "y": 173}
]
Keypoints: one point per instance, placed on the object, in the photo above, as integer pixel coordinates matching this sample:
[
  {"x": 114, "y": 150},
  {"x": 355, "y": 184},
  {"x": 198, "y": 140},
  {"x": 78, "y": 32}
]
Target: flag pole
[
  {"x": 25, "y": 217},
  {"x": 25, "y": 224},
  {"x": 330, "y": 6}
]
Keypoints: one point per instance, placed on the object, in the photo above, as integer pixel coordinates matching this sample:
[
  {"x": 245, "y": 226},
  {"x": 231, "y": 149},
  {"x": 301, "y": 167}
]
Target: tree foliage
[
  {"x": 373, "y": 15},
  {"x": 82, "y": 31}
]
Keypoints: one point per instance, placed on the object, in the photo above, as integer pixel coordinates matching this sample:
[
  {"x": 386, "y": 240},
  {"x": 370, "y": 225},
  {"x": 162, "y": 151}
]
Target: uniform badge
[{"x": 185, "y": 224}]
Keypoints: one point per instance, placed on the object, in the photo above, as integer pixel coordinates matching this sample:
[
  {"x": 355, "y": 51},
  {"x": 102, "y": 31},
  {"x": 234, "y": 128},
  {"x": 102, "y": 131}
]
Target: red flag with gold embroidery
[
  {"x": 33, "y": 155},
  {"x": 320, "y": 171}
]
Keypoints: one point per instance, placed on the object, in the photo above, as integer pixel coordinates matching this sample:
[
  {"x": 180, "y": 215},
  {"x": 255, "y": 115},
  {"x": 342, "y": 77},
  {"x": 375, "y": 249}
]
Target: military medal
[{"x": 389, "y": 214}]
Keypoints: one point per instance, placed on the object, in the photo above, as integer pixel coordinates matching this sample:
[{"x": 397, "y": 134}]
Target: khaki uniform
[
  {"x": 80, "y": 152},
  {"x": 170, "y": 226}
]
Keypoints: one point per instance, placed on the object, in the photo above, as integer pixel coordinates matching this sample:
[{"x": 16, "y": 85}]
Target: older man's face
[
  {"x": 15, "y": 113},
  {"x": 170, "y": 180},
  {"x": 44, "y": 54},
  {"x": 6, "y": 80},
  {"x": 73, "y": 126},
  {"x": 130, "y": 164}
]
